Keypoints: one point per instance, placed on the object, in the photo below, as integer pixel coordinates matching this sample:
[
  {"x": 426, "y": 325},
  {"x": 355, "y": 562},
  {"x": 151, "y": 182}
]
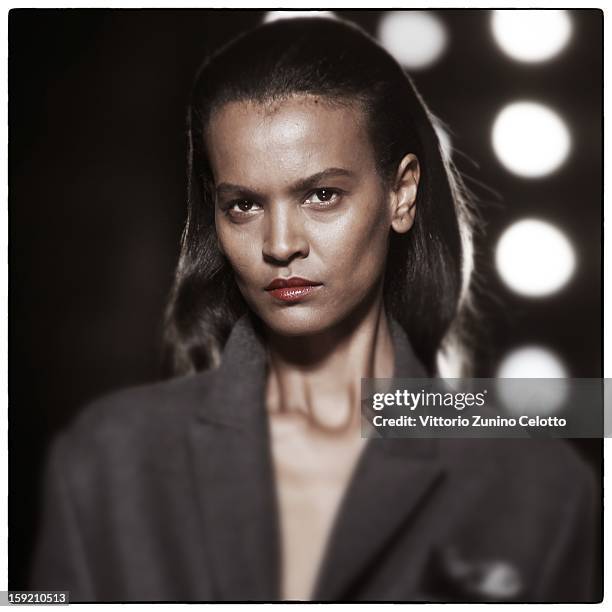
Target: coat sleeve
[
  {"x": 569, "y": 572},
  {"x": 60, "y": 560}
]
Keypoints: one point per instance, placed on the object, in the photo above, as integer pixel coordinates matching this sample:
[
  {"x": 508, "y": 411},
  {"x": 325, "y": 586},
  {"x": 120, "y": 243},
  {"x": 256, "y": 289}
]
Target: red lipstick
[{"x": 292, "y": 289}]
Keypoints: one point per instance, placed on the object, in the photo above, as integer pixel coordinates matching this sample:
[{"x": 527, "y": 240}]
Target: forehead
[{"x": 286, "y": 139}]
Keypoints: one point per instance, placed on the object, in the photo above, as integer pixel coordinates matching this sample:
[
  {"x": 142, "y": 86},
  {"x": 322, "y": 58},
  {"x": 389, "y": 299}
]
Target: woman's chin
[
  {"x": 312, "y": 318},
  {"x": 298, "y": 321}
]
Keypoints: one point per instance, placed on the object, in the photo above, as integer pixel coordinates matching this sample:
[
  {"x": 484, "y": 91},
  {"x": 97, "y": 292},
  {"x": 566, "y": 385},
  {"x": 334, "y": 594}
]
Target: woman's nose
[{"x": 284, "y": 238}]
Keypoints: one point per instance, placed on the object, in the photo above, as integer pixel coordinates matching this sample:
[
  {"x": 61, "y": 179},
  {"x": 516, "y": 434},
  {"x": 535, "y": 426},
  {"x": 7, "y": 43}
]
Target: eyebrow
[{"x": 299, "y": 186}]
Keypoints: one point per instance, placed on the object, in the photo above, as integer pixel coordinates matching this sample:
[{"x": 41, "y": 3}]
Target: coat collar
[
  {"x": 241, "y": 378},
  {"x": 234, "y": 478}
]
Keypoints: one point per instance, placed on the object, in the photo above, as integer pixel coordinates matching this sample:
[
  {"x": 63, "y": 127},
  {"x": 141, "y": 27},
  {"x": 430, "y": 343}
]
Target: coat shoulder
[
  {"x": 546, "y": 473},
  {"x": 137, "y": 416}
]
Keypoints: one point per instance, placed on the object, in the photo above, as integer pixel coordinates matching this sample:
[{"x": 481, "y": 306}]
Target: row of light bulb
[{"x": 531, "y": 140}]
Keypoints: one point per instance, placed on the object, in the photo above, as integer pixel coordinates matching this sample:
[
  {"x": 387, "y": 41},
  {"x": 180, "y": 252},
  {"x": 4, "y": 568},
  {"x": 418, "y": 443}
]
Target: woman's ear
[{"x": 404, "y": 193}]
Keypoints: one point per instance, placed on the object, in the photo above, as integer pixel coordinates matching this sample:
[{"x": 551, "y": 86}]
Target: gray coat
[{"x": 164, "y": 492}]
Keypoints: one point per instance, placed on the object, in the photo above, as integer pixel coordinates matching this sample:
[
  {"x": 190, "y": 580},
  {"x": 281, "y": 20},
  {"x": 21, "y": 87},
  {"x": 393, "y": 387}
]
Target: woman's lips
[{"x": 292, "y": 289}]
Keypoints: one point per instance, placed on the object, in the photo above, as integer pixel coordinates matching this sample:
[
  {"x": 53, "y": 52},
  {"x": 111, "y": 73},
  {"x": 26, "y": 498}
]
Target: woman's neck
[{"x": 319, "y": 377}]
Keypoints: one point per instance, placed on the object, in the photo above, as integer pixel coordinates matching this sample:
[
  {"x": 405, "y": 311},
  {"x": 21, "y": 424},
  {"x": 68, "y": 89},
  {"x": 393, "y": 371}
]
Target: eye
[
  {"x": 323, "y": 197},
  {"x": 242, "y": 208}
]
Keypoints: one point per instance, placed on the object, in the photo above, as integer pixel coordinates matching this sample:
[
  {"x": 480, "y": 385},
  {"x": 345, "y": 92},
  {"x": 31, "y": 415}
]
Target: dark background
[{"x": 97, "y": 203}]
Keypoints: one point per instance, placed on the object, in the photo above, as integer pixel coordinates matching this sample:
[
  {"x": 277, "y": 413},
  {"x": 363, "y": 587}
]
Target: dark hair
[{"x": 426, "y": 275}]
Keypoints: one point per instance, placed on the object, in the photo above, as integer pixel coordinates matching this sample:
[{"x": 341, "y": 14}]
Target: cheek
[
  {"x": 240, "y": 249},
  {"x": 357, "y": 246}
]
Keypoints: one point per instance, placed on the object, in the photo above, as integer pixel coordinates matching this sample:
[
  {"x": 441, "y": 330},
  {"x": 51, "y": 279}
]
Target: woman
[{"x": 327, "y": 241}]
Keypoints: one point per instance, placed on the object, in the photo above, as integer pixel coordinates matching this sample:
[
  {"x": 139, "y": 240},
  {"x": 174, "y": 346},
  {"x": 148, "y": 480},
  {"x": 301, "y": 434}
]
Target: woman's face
[{"x": 301, "y": 212}]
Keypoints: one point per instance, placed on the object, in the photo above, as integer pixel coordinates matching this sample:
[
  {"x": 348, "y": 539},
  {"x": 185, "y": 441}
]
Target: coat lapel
[
  {"x": 391, "y": 479},
  {"x": 233, "y": 474},
  {"x": 236, "y": 490}
]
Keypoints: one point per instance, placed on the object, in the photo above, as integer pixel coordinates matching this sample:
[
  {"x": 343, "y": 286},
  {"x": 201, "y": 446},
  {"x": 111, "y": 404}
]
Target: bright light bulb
[
  {"x": 537, "y": 397},
  {"x": 276, "y": 15},
  {"x": 416, "y": 39},
  {"x": 530, "y": 139},
  {"x": 531, "y": 35},
  {"x": 534, "y": 258}
]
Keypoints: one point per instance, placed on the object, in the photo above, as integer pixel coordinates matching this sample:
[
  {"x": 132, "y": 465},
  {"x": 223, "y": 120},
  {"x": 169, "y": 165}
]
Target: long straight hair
[{"x": 428, "y": 268}]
